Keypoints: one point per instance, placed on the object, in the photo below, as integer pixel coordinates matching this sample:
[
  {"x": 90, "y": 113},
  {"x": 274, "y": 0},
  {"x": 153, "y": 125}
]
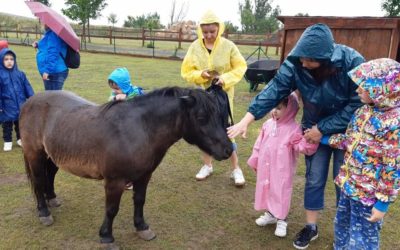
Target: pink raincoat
[{"x": 274, "y": 158}]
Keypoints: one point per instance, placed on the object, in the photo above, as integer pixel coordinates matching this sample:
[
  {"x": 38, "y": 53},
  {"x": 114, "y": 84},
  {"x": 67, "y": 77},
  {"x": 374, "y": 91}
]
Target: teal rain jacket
[{"x": 329, "y": 104}]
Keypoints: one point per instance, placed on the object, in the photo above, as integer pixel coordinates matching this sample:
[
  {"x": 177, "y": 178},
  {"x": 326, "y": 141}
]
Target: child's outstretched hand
[
  {"x": 119, "y": 97},
  {"x": 376, "y": 215}
]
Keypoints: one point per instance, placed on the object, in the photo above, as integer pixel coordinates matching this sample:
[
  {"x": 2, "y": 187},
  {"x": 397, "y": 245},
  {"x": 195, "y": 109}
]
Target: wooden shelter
[{"x": 373, "y": 37}]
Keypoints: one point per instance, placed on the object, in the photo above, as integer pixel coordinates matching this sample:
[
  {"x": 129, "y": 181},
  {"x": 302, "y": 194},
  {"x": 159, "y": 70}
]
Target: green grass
[{"x": 184, "y": 213}]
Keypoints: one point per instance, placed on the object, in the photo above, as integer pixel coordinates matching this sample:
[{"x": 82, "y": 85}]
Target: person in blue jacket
[
  {"x": 15, "y": 89},
  {"x": 49, "y": 59},
  {"x": 316, "y": 67}
]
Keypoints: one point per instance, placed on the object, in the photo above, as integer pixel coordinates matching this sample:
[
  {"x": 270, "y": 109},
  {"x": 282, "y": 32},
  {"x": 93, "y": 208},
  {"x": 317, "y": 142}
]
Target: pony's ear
[{"x": 188, "y": 100}]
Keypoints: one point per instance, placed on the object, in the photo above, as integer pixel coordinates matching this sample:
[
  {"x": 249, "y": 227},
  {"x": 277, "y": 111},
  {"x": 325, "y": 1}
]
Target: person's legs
[
  {"x": 7, "y": 135},
  {"x": 237, "y": 174},
  {"x": 16, "y": 128},
  {"x": 317, "y": 167},
  {"x": 207, "y": 169},
  {"x": 363, "y": 234},
  {"x": 56, "y": 81},
  {"x": 342, "y": 223}
]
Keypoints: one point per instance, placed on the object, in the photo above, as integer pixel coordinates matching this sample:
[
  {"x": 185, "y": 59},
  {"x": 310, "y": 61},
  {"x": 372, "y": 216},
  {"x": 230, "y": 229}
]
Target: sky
[{"x": 226, "y": 10}]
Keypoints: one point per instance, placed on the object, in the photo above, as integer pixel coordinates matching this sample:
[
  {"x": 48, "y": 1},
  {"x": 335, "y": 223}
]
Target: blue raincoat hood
[
  {"x": 122, "y": 78},
  {"x": 3, "y": 53},
  {"x": 316, "y": 42}
]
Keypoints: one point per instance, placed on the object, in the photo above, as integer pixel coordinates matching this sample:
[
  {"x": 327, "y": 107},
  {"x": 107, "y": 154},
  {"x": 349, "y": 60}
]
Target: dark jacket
[
  {"x": 50, "y": 49},
  {"x": 329, "y": 103},
  {"x": 14, "y": 89}
]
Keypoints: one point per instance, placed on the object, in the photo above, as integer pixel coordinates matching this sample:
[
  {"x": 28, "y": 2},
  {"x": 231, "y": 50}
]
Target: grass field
[{"x": 184, "y": 213}]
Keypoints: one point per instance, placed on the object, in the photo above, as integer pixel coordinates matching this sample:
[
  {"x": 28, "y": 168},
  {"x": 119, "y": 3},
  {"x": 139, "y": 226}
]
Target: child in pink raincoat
[{"x": 274, "y": 158}]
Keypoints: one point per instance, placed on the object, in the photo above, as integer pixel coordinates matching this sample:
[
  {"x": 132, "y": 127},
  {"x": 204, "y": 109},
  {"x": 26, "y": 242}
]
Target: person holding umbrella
[
  {"x": 54, "y": 49},
  {"x": 50, "y": 60}
]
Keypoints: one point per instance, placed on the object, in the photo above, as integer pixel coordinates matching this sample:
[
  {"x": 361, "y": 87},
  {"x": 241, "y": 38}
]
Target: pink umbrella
[{"x": 55, "y": 22}]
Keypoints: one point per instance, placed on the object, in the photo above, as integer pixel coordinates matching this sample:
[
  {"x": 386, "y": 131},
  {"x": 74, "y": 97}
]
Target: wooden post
[
  {"x": 143, "y": 36},
  {"x": 277, "y": 50},
  {"x": 16, "y": 30},
  {"x": 36, "y": 31},
  {"x": 180, "y": 39},
  {"x": 110, "y": 34},
  {"x": 226, "y": 33}
]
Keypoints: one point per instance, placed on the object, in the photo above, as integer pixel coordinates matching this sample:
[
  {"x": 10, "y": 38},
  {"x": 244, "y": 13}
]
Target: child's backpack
[
  {"x": 222, "y": 99},
  {"x": 72, "y": 59}
]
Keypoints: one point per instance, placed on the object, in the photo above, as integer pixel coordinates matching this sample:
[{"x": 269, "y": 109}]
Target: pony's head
[{"x": 203, "y": 126}]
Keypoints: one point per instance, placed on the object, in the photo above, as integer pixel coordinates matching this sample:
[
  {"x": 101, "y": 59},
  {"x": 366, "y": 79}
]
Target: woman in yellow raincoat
[{"x": 212, "y": 56}]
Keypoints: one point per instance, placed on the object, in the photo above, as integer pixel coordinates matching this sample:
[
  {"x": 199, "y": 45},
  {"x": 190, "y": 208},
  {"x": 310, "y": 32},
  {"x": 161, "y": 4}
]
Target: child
[
  {"x": 14, "y": 90},
  {"x": 274, "y": 158},
  {"x": 120, "y": 82},
  {"x": 370, "y": 175}
]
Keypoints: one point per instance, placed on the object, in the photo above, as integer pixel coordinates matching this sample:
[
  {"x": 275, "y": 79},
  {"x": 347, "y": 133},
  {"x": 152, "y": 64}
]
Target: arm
[
  {"x": 238, "y": 65},
  {"x": 53, "y": 52},
  {"x": 28, "y": 90},
  {"x": 189, "y": 72},
  {"x": 299, "y": 144}
]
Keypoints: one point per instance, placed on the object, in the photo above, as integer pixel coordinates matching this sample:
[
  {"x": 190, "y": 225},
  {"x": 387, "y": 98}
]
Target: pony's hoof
[
  {"x": 146, "y": 234},
  {"x": 47, "y": 221},
  {"x": 110, "y": 246},
  {"x": 106, "y": 240},
  {"x": 54, "y": 202}
]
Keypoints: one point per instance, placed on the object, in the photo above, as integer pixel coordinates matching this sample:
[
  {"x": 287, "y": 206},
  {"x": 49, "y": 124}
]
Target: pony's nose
[{"x": 228, "y": 152}]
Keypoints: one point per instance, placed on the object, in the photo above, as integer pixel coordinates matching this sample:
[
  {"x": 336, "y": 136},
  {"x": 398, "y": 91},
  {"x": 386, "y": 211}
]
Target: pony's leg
[
  {"x": 36, "y": 165},
  {"x": 51, "y": 171},
  {"x": 114, "y": 190},
  {"x": 139, "y": 198}
]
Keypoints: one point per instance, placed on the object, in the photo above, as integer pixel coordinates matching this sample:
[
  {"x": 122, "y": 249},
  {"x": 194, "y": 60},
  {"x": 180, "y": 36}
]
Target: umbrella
[{"x": 55, "y": 22}]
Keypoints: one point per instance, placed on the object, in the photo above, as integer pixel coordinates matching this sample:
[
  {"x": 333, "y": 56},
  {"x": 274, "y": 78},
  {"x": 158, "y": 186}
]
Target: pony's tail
[{"x": 28, "y": 171}]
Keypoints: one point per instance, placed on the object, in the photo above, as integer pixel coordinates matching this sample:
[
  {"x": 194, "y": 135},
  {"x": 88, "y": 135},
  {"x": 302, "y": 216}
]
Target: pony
[{"x": 118, "y": 142}]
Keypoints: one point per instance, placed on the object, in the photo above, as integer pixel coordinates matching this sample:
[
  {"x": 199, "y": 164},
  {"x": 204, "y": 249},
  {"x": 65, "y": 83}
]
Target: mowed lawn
[{"x": 185, "y": 213}]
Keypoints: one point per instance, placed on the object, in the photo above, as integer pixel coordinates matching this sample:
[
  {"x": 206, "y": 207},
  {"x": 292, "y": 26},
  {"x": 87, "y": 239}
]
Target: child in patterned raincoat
[{"x": 370, "y": 175}]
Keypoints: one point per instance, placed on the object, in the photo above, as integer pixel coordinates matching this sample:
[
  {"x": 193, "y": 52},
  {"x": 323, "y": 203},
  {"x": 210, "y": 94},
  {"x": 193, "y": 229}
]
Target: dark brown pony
[{"x": 119, "y": 142}]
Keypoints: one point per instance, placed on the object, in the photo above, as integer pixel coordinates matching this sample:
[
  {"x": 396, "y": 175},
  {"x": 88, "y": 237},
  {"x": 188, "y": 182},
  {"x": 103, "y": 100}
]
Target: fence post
[
  {"x": 226, "y": 33},
  {"x": 143, "y": 36},
  {"x": 115, "y": 49},
  {"x": 36, "y": 31},
  {"x": 277, "y": 50},
  {"x": 16, "y": 30},
  {"x": 180, "y": 38},
  {"x": 110, "y": 34}
]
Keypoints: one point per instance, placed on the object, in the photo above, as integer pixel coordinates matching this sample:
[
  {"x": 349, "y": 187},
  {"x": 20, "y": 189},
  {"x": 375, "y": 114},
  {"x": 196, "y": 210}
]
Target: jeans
[
  {"x": 317, "y": 168},
  {"x": 55, "y": 81},
  {"x": 7, "y": 130},
  {"x": 352, "y": 230}
]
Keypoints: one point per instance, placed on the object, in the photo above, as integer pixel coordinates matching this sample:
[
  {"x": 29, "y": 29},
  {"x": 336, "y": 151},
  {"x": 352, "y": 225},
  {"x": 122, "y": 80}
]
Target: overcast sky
[{"x": 225, "y": 9}]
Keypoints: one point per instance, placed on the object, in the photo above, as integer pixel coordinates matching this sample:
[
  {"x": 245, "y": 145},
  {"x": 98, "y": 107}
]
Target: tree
[
  {"x": 95, "y": 8},
  {"x": 229, "y": 26},
  {"x": 259, "y": 18},
  {"x": 151, "y": 21},
  {"x": 392, "y": 8},
  {"x": 176, "y": 15},
  {"x": 112, "y": 18},
  {"x": 301, "y": 14},
  {"x": 45, "y": 2}
]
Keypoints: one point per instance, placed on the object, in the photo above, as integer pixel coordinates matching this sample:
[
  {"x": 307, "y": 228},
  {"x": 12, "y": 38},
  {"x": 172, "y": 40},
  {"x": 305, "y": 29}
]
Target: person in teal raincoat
[{"x": 317, "y": 67}]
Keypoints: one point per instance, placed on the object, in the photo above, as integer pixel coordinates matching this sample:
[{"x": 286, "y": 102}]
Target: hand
[
  {"x": 35, "y": 44},
  {"x": 119, "y": 97},
  {"x": 205, "y": 74},
  {"x": 241, "y": 127},
  {"x": 313, "y": 135},
  {"x": 376, "y": 215},
  {"x": 45, "y": 76},
  {"x": 220, "y": 82}
]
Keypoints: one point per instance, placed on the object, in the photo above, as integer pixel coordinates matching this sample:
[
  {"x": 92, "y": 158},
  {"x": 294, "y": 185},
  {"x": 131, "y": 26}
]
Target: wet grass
[{"x": 184, "y": 213}]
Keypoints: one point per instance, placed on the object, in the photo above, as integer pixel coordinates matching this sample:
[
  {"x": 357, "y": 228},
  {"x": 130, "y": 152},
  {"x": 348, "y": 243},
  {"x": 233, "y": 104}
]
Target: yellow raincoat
[{"x": 224, "y": 58}]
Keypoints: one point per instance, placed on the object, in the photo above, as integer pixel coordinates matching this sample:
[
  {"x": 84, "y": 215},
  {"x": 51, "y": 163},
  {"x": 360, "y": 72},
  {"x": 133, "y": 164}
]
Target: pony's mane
[{"x": 200, "y": 95}]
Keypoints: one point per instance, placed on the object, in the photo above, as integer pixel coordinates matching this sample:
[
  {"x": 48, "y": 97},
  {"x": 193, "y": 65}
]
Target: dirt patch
[{"x": 12, "y": 179}]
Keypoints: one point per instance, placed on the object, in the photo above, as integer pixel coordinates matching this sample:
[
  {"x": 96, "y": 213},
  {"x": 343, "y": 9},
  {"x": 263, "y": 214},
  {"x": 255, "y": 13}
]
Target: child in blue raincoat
[
  {"x": 15, "y": 89},
  {"x": 120, "y": 82}
]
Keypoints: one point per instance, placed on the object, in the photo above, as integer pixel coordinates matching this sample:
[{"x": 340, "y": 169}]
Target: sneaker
[
  {"x": 266, "y": 219},
  {"x": 19, "y": 143},
  {"x": 129, "y": 186},
  {"x": 304, "y": 237},
  {"x": 281, "y": 227},
  {"x": 204, "y": 172},
  {"x": 237, "y": 176},
  {"x": 7, "y": 146}
]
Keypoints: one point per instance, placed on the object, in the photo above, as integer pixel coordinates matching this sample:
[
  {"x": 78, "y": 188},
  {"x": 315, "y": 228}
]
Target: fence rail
[{"x": 112, "y": 35}]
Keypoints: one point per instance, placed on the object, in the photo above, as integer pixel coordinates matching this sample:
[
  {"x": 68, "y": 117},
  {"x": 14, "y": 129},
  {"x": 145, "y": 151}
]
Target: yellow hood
[{"x": 208, "y": 18}]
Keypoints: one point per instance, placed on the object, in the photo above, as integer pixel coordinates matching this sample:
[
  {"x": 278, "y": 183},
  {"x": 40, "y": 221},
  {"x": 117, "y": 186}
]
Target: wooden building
[{"x": 373, "y": 37}]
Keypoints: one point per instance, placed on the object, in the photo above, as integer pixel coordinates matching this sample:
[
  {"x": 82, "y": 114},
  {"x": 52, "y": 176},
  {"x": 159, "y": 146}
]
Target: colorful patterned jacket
[{"x": 371, "y": 169}]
